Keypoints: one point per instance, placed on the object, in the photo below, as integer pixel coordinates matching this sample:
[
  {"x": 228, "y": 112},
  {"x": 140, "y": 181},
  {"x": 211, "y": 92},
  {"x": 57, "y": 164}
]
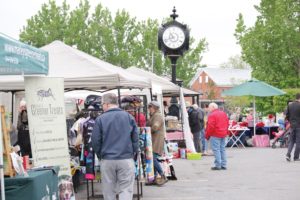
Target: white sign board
[{"x": 47, "y": 122}]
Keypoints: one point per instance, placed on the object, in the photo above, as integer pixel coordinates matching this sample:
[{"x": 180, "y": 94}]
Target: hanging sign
[{"x": 17, "y": 58}]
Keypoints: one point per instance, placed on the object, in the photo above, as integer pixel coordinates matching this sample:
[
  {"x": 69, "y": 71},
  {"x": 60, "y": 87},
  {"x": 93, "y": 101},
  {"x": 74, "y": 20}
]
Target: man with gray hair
[
  {"x": 216, "y": 131},
  {"x": 115, "y": 141}
]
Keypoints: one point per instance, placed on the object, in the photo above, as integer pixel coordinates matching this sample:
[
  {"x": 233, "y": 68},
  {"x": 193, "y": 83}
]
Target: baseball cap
[{"x": 154, "y": 104}]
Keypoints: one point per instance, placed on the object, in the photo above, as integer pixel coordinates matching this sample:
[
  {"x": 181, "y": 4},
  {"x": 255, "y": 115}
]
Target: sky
[{"x": 214, "y": 20}]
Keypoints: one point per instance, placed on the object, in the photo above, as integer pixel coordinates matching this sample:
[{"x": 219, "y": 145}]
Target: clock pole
[
  {"x": 173, "y": 64},
  {"x": 173, "y": 41}
]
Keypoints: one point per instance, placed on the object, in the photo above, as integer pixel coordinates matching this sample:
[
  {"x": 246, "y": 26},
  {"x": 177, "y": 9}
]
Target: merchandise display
[{"x": 146, "y": 154}]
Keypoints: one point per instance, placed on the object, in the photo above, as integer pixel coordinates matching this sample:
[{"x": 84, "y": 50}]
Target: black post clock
[{"x": 173, "y": 41}]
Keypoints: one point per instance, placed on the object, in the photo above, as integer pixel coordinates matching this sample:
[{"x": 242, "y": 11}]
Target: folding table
[{"x": 236, "y": 135}]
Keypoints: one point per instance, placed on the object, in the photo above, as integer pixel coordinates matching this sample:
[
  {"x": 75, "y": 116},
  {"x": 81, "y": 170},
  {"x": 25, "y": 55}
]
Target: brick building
[{"x": 211, "y": 82}]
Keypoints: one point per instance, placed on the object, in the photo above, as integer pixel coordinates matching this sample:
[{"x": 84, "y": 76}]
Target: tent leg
[
  {"x": 254, "y": 117},
  {"x": 1, "y": 165},
  {"x": 119, "y": 96},
  {"x": 151, "y": 95},
  {"x": 12, "y": 106}
]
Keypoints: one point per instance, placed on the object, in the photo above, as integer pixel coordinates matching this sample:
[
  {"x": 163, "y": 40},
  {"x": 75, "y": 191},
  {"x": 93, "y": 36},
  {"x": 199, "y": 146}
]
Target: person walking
[
  {"x": 158, "y": 140},
  {"x": 115, "y": 142},
  {"x": 196, "y": 122},
  {"x": 293, "y": 116},
  {"x": 216, "y": 131}
]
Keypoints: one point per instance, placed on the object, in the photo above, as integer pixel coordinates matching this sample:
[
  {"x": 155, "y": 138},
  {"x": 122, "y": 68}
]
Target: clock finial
[{"x": 174, "y": 15}]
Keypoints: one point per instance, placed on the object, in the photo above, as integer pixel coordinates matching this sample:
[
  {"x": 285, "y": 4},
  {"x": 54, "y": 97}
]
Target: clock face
[{"x": 173, "y": 37}]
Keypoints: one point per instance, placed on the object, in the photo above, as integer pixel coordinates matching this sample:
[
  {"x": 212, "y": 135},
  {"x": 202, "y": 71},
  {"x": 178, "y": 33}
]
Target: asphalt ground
[{"x": 252, "y": 174}]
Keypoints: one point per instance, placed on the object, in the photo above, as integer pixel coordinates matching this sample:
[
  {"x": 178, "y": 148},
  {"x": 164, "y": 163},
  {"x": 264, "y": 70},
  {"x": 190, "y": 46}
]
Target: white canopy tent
[
  {"x": 170, "y": 88},
  {"x": 80, "y": 71},
  {"x": 167, "y": 86}
]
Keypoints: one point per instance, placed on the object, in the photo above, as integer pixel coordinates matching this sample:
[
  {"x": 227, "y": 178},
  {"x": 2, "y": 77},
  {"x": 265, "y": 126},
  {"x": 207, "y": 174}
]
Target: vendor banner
[
  {"x": 19, "y": 58},
  {"x": 47, "y": 127}
]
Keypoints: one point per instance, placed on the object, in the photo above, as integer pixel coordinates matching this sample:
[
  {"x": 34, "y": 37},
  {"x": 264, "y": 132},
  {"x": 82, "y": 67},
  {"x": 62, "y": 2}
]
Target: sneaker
[
  {"x": 288, "y": 158},
  {"x": 224, "y": 168},
  {"x": 215, "y": 168},
  {"x": 161, "y": 181},
  {"x": 296, "y": 159},
  {"x": 150, "y": 183}
]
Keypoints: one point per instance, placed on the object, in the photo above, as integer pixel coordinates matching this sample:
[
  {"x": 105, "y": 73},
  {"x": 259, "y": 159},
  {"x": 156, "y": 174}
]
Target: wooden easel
[{"x": 8, "y": 168}]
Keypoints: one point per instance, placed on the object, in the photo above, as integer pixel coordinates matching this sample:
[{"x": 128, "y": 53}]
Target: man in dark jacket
[
  {"x": 196, "y": 117},
  {"x": 293, "y": 116},
  {"x": 216, "y": 131},
  {"x": 115, "y": 141}
]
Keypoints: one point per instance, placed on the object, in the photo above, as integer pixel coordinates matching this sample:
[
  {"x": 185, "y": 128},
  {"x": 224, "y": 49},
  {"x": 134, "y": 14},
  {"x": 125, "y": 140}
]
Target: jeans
[
  {"x": 157, "y": 166},
  {"x": 197, "y": 144},
  {"x": 294, "y": 138},
  {"x": 203, "y": 140},
  {"x": 218, "y": 147}
]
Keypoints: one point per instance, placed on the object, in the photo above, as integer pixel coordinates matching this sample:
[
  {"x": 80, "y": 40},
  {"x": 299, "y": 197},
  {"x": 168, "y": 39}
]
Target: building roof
[{"x": 224, "y": 77}]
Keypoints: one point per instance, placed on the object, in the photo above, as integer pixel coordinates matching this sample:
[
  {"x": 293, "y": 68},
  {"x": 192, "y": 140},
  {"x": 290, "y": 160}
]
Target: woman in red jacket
[{"x": 216, "y": 131}]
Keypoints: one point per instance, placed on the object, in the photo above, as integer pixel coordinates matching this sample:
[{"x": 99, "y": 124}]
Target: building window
[
  {"x": 206, "y": 79},
  {"x": 200, "y": 79}
]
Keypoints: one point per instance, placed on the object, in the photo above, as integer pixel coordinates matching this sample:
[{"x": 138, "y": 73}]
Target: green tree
[
  {"x": 120, "y": 39},
  {"x": 49, "y": 24},
  {"x": 235, "y": 62},
  {"x": 271, "y": 46},
  {"x": 76, "y": 31},
  {"x": 190, "y": 62},
  {"x": 147, "y": 54},
  {"x": 241, "y": 101},
  {"x": 280, "y": 102},
  {"x": 101, "y": 42}
]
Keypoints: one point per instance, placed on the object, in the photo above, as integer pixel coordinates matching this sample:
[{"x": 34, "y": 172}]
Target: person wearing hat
[{"x": 158, "y": 138}]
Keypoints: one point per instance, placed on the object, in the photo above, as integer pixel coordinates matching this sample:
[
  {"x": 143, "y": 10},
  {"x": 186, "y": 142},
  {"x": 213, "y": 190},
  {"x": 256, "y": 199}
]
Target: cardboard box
[
  {"x": 194, "y": 156},
  {"x": 172, "y": 124}
]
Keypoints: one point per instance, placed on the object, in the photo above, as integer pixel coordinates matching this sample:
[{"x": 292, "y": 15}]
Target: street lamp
[{"x": 173, "y": 41}]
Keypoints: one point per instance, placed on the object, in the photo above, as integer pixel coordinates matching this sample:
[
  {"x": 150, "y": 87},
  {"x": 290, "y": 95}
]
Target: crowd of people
[{"x": 116, "y": 143}]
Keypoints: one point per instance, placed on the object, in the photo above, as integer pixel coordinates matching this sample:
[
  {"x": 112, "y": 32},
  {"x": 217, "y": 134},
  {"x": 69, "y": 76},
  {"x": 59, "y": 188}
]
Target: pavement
[{"x": 253, "y": 173}]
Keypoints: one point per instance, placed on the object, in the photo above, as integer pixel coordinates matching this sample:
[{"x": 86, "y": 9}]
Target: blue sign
[{"x": 17, "y": 58}]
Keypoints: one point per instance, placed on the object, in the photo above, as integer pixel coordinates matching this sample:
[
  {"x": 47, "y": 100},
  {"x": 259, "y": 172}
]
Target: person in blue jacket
[{"x": 115, "y": 142}]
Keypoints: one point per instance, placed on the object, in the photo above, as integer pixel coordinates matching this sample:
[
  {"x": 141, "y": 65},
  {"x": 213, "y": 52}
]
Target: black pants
[
  {"x": 197, "y": 144},
  {"x": 24, "y": 142},
  {"x": 294, "y": 138}
]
